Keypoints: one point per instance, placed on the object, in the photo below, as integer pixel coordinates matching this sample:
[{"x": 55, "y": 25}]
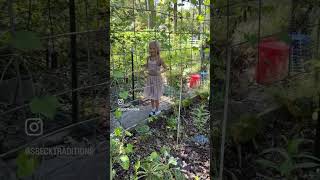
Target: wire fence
[
  {"x": 107, "y": 83},
  {"x": 98, "y": 135}
]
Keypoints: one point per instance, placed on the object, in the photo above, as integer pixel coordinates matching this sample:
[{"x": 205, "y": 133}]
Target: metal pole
[
  {"x": 132, "y": 71},
  {"x": 226, "y": 98},
  {"x": 259, "y": 34},
  {"x": 74, "y": 69},
  {"x": 318, "y": 38}
]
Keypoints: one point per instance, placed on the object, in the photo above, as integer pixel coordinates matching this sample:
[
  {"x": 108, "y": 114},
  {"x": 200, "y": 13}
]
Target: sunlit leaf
[
  {"x": 128, "y": 133},
  {"x": 118, "y": 113},
  {"x": 172, "y": 161},
  {"x": 154, "y": 156},
  {"x": 124, "y": 94},
  {"x": 118, "y": 131},
  {"x": 137, "y": 165},
  {"x": 125, "y": 162},
  {"x": 206, "y": 2},
  {"x": 200, "y": 18},
  {"x": 129, "y": 148}
]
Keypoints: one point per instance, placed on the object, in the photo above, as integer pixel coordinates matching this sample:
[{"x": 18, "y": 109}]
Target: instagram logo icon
[{"x": 34, "y": 127}]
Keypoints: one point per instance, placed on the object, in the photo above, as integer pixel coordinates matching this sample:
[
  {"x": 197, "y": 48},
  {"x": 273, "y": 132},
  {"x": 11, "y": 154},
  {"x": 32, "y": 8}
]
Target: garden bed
[{"x": 192, "y": 157}]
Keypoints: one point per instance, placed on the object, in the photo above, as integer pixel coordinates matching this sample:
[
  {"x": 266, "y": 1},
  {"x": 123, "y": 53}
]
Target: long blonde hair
[{"x": 156, "y": 44}]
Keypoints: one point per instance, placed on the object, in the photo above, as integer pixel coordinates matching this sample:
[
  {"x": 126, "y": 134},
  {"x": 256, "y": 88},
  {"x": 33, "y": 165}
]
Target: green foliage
[
  {"x": 186, "y": 102},
  {"x": 120, "y": 150},
  {"x": 118, "y": 113},
  {"x": 124, "y": 95},
  {"x": 117, "y": 74},
  {"x": 26, "y": 164},
  {"x": 171, "y": 123},
  {"x": 143, "y": 129},
  {"x": 46, "y": 106},
  {"x": 25, "y": 40},
  {"x": 174, "y": 79},
  {"x": 251, "y": 38},
  {"x": 245, "y": 129},
  {"x": 204, "y": 91},
  {"x": 200, "y": 117},
  {"x": 291, "y": 159},
  {"x": 159, "y": 166}
]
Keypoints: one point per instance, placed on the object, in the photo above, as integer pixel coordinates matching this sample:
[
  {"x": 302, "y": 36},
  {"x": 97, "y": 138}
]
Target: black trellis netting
[
  {"x": 260, "y": 47},
  {"x": 122, "y": 61},
  {"x": 50, "y": 73}
]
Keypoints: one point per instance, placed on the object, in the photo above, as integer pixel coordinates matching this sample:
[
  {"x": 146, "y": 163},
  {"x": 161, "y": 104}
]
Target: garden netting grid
[
  {"x": 134, "y": 55},
  {"x": 43, "y": 34}
]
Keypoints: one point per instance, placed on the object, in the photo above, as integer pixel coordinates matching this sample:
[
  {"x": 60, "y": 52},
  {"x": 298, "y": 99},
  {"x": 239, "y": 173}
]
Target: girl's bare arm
[{"x": 165, "y": 67}]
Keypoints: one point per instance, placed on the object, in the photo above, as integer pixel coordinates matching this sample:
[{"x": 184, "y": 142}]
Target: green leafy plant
[
  {"x": 124, "y": 95},
  {"x": 26, "y": 164},
  {"x": 204, "y": 91},
  {"x": 143, "y": 131},
  {"x": 120, "y": 151},
  {"x": 200, "y": 117},
  {"x": 159, "y": 166},
  {"x": 118, "y": 113},
  {"x": 46, "y": 106},
  {"x": 291, "y": 159},
  {"x": 171, "y": 123},
  {"x": 251, "y": 38},
  {"x": 186, "y": 102}
]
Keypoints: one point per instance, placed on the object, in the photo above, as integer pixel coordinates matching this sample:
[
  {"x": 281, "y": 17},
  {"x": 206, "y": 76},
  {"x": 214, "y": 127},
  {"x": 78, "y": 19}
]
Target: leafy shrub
[
  {"x": 292, "y": 160},
  {"x": 158, "y": 167},
  {"x": 171, "y": 123},
  {"x": 186, "y": 102},
  {"x": 245, "y": 129},
  {"x": 143, "y": 131},
  {"x": 120, "y": 151},
  {"x": 200, "y": 117}
]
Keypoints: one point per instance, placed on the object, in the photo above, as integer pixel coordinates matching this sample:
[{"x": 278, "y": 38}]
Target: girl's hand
[{"x": 164, "y": 70}]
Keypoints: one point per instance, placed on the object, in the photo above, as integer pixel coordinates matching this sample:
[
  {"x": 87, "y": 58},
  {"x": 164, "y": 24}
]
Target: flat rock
[{"x": 131, "y": 118}]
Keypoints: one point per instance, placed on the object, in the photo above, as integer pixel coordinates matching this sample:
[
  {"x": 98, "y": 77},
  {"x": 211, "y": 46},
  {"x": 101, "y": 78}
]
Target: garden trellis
[
  {"x": 256, "y": 34},
  {"x": 25, "y": 48},
  {"x": 138, "y": 56}
]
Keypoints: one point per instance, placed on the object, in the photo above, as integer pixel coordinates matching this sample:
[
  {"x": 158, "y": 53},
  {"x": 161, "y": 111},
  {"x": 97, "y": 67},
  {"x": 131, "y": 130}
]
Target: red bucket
[
  {"x": 194, "y": 80},
  {"x": 273, "y": 65}
]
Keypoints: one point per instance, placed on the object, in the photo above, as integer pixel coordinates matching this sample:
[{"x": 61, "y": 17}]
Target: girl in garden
[{"x": 154, "y": 85}]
